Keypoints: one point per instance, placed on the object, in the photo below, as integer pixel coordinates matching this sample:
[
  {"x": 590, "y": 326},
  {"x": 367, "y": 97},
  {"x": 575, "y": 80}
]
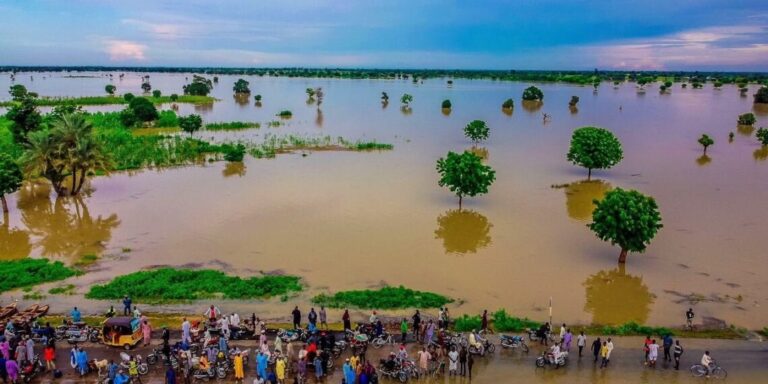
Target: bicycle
[{"x": 715, "y": 371}]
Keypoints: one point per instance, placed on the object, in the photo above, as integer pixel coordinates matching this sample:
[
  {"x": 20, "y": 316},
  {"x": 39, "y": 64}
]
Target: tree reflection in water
[
  {"x": 463, "y": 231},
  {"x": 703, "y": 160},
  {"x": 615, "y": 297},
  {"x": 63, "y": 227},
  {"x": 234, "y": 168},
  {"x": 580, "y": 196},
  {"x": 14, "y": 242}
]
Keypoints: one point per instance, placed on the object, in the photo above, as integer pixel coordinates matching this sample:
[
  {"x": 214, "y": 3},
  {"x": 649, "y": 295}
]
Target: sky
[{"x": 719, "y": 35}]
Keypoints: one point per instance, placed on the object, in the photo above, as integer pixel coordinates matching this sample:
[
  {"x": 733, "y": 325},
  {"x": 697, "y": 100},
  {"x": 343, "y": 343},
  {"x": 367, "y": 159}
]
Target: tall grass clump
[
  {"x": 502, "y": 322},
  {"x": 384, "y": 298},
  {"x": 372, "y": 146},
  {"x": 28, "y": 272},
  {"x": 634, "y": 329},
  {"x": 466, "y": 323},
  {"x": 174, "y": 285}
]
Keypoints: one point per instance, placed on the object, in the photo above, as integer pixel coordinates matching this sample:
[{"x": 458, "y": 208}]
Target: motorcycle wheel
[
  {"x": 151, "y": 359},
  {"x": 402, "y": 376},
  {"x": 540, "y": 362},
  {"x": 330, "y": 364},
  {"x": 378, "y": 343},
  {"x": 93, "y": 338},
  {"x": 221, "y": 373},
  {"x": 491, "y": 348},
  {"x": 143, "y": 369}
]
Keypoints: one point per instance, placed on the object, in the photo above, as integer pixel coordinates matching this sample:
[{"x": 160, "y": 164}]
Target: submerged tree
[
  {"x": 533, "y": 93},
  {"x": 110, "y": 89},
  {"x": 594, "y": 148},
  {"x": 747, "y": 119},
  {"x": 574, "y": 101},
  {"x": 200, "y": 86},
  {"x": 241, "y": 87},
  {"x": 465, "y": 174},
  {"x": 762, "y": 135},
  {"x": 508, "y": 104},
  {"x": 761, "y": 97},
  {"x": 140, "y": 110},
  {"x": 406, "y": 99},
  {"x": 626, "y": 218},
  {"x": 190, "y": 124},
  {"x": 146, "y": 87},
  {"x": 705, "y": 142},
  {"x": 446, "y": 104},
  {"x": 68, "y": 150},
  {"x": 10, "y": 178},
  {"x": 477, "y": 130}
]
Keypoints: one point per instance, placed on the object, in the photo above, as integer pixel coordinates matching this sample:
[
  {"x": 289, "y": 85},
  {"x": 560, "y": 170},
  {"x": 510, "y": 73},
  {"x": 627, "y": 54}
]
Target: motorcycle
[
  {"x": 381, "y": 340},
  {"x": 157, "y": 354},
  {"x": 488, "y": 347},
  {"x": 288, "y": 335},
  {"x": 69, "y": 329},
  {"x": 30, "y": 370},
  {"x": 546, "y": 358},
  {"x": 392, "y": 370},
  {"x": 512, "y": 342},
  {"x": 534, "y": 336},
  {"x": 85, "y": 334},
  {"x": 141, "y": 365}
]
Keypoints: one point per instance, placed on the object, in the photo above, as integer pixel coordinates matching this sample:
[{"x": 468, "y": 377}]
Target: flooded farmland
[{"x": 352, "y": 220}]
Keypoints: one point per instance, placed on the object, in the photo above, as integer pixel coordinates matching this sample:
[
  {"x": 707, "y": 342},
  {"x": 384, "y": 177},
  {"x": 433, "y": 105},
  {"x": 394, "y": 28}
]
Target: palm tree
[{"x": 43, "y": 158}]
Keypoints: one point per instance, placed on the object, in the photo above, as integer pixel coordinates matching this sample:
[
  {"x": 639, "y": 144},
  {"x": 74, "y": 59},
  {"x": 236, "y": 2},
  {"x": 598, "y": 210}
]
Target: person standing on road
[
  {"x": 416, "y": 324},
  {"x": 49, "y": 354},
  {"x": 127, "y": 303},
  {"x": 323, "y": 318},
  {"x": 567, "y": 339},
  {"x": 563, "y": 329},
  {"x": 146, "y": 331},
  {"x": 12, "y": 370},
  {"x": 484, "y": 321},
  {"x": 424, "y": 358},
  {"x": 463, "y": 361},
  {"x": 667, "y": 342},
  {"x": 581, "y": 342},
  {"x": 239, "y": 369},
  {"x": 170, "y": 375},
  {"x": 403, "y": 330},
  {"x": 429, "y": 332},
  {"x": 596, "y": 345},
  {"x": 186, "y": 328},
  {"x": 312, "y": 317},
  {"x": 76, "y": 316},
  {"x": 30, "y": 349},
  {"x": 345, "y": 320},
  {"x": 646, "y": 348},
  {"x": 609, "y": 344},
  {"x": 470, "y": 363},
  {"x": 689, "y": 315},
  {"x": 653, "y": 353},
  {"x": 296, "y": 317},
  {"x": 453, "y": 361},
  {"x": 21, "y": 354},
  {"x": 677, "y": 353}
]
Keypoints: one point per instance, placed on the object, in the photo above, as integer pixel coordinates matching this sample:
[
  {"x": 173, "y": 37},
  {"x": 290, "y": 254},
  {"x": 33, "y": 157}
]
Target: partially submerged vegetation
[
  {"x": 177, "y": 285},
  {"x": 384, "y": 298},
  {"x": 29, "y": 272},
  {"x": 111, "y": 100},
  {"x": 275, "y": 144},
  {"x": 232, "y": 125}
]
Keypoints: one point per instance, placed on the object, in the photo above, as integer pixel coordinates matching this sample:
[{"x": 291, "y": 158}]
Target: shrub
[
  {"x": 170, "y": 284},
  {"x": 761, "y": 97},
  {"x": 167, "y": 119},
  {"x": 28, "y": 272},
  {"x": 508, "y": 104},
  {"x": 200, "y": 86},
  {"x": 574, "y": 101},
  {"x": 384, "y": 298},
  {"x": 466, "y": 323},
  {"x": 285, "y": 114},
  {"x": 128, "y": 97},
  {"x": 174, "y": 97},
  {"x": 109, "y": 88},
  {"x": 156, "y": 93},
  {"x": 477, "y": 130},
  {"x": 747, "y": 119},
  {"x": 505, "y": 323},
  {"x": 233, "y": 153},
  {"x": 634, "y": 329},
  {"x": 533, "y": 94},
  {"x": 143, "y": 109},
  {"x": 446, "y": 104},
  {"x": 762, "y": 135},
  {"x": 257, "y": 98},
  {"x": 190, "y": 124}
]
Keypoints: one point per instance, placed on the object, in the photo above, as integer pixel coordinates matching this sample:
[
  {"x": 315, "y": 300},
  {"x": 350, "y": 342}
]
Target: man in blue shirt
[
  {"x": 76, "y": 318},
  {"x": 667, "y": 346},
  {"x": 170, "y": 376},
  {"x": 127, "y": 305}
]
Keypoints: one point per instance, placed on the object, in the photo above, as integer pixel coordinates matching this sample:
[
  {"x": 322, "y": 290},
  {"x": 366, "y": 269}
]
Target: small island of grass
[
  {"x": 232, "y": 125},
  {"x": 384, "y": 298},
  {"x": 112, "y": 100},
  {"x": 29, "y": 272},
  {"x": 166, "y": 285}
]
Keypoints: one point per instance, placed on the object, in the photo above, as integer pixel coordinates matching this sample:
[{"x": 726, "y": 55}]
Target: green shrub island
[
  {"x": 533, "y": 93},
  {"x": 29, "y": 272},
  {"x": 747, "y": 119},
  {"x": 384, "y": 298},
  {"x": 175, "y": 285}
]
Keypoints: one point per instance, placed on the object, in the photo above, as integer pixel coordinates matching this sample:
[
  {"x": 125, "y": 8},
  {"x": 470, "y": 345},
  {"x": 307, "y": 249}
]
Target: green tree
[
  {"x": 762, "y": 135},
  {"x": 128, "y": 97},
  {"x": 477, "y": 130},
  {"x": 257, "y": 98},
  {"x": 25, "y": 118},
  {"x": 190, "y": 124},
  {"x": 446, "y": 104},
  {"x": 200, "y": 86},
  {"x": 406, "y": 99},
  {"x": 465, "y": 174},
  {"x": 18, "y": 92},
  {"x": 761, "y": 96},
  {"x": 626, "y": 218},
  {"x": 384, "y": 97},
  {"x": 143, "y": 109},
  {"x": 69, "y": 149},
  {"x": 110, "y": 89},
  {"x": 594, "y": 148},
  {"x": 747, "y": 119},
  {"x": 574, "y": 101},
  {"x": 508, "y": 104},
  {"x": 156, "y": 93},
  {"x": 241, "y": 87},
  {"x": 10, "y": 178},
  {"x": 174, "y": 97},
  {"x": 233, "y": 153},
  {"x": 146, "y": 87},
  {"x": 533, "y": 94},
  {"x": 705, "y": 142},
  {"x": 310, "y": 93}
]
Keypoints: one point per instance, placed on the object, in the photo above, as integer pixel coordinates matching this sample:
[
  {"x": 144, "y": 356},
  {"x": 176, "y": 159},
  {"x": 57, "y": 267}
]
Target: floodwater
[{"x": 346, "y": 220}]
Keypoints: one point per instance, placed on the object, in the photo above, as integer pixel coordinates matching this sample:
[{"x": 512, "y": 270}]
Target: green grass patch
[
  {"x": 7, "y": 145},
  {"x": 131, "y": 151},
  {"x": 635, "y": 329},
  {"x": 181, "y": 285},
  {"x": 502, "y": 322},
  {"x": 466, "y": 323},
  {"x": 29, "y": 272},
  {"x": 112, "y": 100},
  {"x": 384, "y": 298},
  {"x": 372, "y": 146},
  {"x": 232, "y": 125},
  {"x": 285, "y": 114},
  {"x": 36, "y": 295},
  {"x": 68, "y": 289},
  {"x": 86, "y": 261}
]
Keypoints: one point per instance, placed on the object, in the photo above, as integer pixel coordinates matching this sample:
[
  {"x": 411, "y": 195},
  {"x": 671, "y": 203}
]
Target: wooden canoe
[{"x": 8, "y": 310}]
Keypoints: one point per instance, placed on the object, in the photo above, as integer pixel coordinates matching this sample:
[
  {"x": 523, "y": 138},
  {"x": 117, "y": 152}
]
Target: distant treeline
[{"x": 573, "y": 77}]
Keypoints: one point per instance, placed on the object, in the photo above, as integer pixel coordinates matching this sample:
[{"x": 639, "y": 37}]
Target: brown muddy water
[{"x": 345, "y": 220}]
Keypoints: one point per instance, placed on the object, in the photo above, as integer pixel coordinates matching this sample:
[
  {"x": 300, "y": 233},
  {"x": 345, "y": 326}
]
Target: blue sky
[{"x": 480, "y": 34}]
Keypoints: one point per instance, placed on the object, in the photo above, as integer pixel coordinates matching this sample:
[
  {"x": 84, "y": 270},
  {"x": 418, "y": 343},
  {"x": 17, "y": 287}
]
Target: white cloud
[{"x": 122, "y": 50}]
